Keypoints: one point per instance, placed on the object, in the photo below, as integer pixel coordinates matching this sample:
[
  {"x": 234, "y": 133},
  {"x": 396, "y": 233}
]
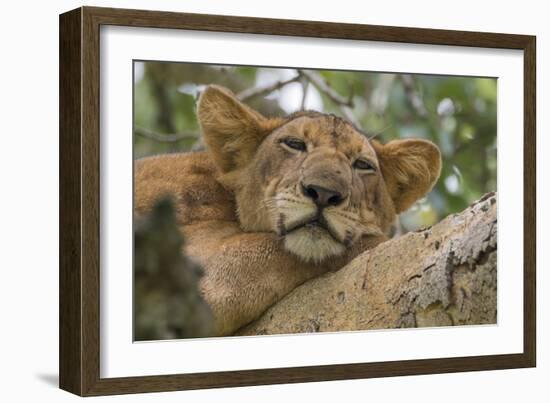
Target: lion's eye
[
  {"x": 295, "y": 144},
  {"x": 364, "y": 165}
]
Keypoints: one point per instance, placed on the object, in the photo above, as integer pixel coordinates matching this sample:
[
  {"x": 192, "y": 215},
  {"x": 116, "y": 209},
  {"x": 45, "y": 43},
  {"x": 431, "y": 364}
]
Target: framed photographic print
[{"x": 249, "y": 201}]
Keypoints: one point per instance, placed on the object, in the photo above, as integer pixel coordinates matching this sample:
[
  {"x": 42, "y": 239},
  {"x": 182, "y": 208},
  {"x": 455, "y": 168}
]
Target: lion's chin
[{"x": 312, "y": 244}]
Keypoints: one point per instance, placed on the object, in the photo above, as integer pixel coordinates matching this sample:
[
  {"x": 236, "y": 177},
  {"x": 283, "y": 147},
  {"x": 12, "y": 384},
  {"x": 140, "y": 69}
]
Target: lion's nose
[{"x": 321, "y": 196}]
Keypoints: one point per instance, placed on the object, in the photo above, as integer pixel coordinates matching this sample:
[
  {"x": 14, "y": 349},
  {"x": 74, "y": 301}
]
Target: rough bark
[{"x": 439, "y": 276}]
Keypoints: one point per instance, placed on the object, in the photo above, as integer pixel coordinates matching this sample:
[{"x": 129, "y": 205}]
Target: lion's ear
[
  {"x": 410, "y": 168},
  {"x": 232, "y": 131}
]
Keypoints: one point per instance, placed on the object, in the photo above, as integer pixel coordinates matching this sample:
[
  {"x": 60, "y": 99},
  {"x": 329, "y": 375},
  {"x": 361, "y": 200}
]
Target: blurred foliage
[
  {"x": 457, "y": 113},
  {"x": 167, "y": 300}
]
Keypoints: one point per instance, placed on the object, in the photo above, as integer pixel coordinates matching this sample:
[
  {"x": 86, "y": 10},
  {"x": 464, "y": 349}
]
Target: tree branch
[
  {"x": 345, "y": 104},
  {"x": 440, "y": 276},
  {"x": 318, "y": 81},
  {"x": 413, "y": 97},
  {"x": 164, "y": 138},
  {"x": 257, "y": 91},
  {"x": 305, "y": 86}
]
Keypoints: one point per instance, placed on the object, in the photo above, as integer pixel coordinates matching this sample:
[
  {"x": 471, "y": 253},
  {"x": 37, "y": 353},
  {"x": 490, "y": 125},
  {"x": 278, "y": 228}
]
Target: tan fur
[
  {"x": 410, "y": 168},
  {"x": 244, "y": 211}
]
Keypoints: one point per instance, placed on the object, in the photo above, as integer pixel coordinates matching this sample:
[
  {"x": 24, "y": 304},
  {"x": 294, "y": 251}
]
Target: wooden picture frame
[{"x": 80, "y": 199}]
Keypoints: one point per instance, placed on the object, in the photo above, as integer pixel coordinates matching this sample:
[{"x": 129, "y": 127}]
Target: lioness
[{"x": 274, "y": 202}]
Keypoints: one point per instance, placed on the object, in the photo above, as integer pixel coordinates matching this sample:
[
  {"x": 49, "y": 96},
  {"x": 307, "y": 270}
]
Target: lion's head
[{"x": 310, "y": 177}]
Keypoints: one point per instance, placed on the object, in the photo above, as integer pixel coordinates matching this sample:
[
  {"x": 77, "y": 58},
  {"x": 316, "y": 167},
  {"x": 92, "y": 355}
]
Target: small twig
[
  {"x": 317, "y": 80},
  {"x": 348, "y": 113},
  {"x": 351, "y": 94},
  {"x": 305, "y": 85},
  {"x": 412, "y": 95},
  {"x": 344, "y": 104},
  {"x": 164, "y": 138},
  {"x": 379, "y": 132},
  {"x": 254, "y": 92}
]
